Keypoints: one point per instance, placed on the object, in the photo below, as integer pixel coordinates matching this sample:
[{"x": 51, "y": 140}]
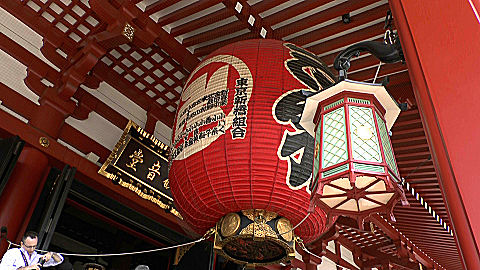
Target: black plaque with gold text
[{"x": 139, "y": 162}]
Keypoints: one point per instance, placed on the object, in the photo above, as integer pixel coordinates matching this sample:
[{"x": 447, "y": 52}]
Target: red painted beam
[
  {"x": 16, "y": 102},
  {"x": 159, "y": 5},
  {"x": 146, "y": 31},
  {"x": 244, "y": 16},
  {"x": 121, "y": 84},
  {"x": 202, "y": 22},
  {"x": 39, "y": 24},
  {"x": 293, "y": 11},
  {"x": 393, "y": 234},
  {"x": 348, "y": 39},
  {"x": 91, "y": 103},
  {"x": 28, "y": 59},
  {"x": 321, "y": 17},
  {"x": 385, "y": 70},
  {"x": 266, "y": 5},
  {"x": 187, "y": 11},
  {"x": 210, "y": 48},
  {"x": 83, "y": 143},
  {"x": 214, "y": 33}
]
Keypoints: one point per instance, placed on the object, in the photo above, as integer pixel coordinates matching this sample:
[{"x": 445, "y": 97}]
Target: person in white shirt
[{"x": 26, "y": 257}]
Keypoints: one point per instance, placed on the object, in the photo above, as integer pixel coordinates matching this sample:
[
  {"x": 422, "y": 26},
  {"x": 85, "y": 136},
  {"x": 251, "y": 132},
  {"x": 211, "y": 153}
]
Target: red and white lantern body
[
  {"x": 355, "y": 173},
  {"x": 237, "y": 143}
]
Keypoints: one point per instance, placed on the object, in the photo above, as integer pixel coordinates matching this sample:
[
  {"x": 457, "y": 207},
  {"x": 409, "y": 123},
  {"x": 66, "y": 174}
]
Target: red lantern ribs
[{"x": 238, "y": 146}]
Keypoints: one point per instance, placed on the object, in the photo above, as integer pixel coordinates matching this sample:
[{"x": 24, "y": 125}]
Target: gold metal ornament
[
  {"x": 284, "y": 228},
  {"x": 180, "y": 252},
  {"x": 251, "y": 237},
  {"x": 230, "y": 224},
  {"x": 44, "y": 142},
  {"x": 128, "y": 32}
]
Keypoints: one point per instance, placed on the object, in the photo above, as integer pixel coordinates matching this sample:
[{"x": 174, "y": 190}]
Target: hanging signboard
[{"x": 139, "y": 162}]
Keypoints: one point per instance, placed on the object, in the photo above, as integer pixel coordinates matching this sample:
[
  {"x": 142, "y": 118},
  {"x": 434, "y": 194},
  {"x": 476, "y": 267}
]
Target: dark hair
[{"x": 30, "y": 234}]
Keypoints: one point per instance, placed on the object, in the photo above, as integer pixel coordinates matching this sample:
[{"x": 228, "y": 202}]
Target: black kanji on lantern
[
  {"x": 289, "y": 110},
  {"x": 240, "y": 109},
  {"x": 298, "y": 147},
  {"x": 318, "y": 76}
]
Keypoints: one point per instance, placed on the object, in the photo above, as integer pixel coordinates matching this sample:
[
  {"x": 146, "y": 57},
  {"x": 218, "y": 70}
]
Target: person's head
[
  {"x": 142, "y": 267},
  {"x": 29, "y": 241}
]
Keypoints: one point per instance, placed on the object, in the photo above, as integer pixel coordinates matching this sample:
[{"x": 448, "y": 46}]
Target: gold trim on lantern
[
  {"x": 251, "y": 237},
  {"x": 284, "y": 228},
  {"x": 230, "y": 224}
]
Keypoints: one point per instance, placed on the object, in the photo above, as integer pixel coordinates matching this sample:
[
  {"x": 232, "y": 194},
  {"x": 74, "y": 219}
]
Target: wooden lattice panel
[
  {"x": 151, "y": 71},
  {"x": 73, "y": 17},
  {"x": 366, "y": 238}
]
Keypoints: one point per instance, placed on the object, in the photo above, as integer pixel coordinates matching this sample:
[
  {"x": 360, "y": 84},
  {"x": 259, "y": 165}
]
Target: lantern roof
[{"x": 380, "y": 93}]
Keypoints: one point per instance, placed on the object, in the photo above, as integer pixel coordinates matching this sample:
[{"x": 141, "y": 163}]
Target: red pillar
[
  {"x": 21, "y": 191},
  {"x": 440, "y": 42}
]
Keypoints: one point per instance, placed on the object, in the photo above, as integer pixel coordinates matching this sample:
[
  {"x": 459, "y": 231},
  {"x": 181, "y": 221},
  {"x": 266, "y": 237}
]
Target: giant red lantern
[{"x": 240, "y": 156}]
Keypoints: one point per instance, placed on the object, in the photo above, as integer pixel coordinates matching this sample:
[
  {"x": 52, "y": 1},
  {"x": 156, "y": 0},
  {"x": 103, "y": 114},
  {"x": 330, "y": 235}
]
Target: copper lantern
[{"x": 354, "y": 171}]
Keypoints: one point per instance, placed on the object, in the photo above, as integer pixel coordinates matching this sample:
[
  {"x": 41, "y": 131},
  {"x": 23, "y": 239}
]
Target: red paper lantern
[{"x": 237, "y": 143}]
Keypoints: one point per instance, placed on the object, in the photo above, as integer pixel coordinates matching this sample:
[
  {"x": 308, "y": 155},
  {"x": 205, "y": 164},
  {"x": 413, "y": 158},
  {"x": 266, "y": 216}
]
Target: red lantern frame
[{"x": 355, "y": 187}]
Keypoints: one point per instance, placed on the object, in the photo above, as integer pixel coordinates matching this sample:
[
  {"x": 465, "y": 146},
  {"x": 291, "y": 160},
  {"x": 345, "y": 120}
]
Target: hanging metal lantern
[
  {"x": 355, "y": 173},
  {"x": 240, "y": 160}
]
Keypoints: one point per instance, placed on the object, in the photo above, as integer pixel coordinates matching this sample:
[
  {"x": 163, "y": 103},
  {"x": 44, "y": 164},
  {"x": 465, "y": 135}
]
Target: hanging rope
[
  {"x": 296, "y": 226},
  {"x": 206, "y": 236},
  {"x": 378, "y": 69}
]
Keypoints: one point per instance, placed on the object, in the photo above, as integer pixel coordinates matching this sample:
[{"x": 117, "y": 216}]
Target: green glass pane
[
  {"x": 334, "y": 145},
  {"x": 333, "y": 171},
  {"x": 358, "y": 100},
  {"x": 331, "y": 105},
  {"x": 364, "y": 147},
  {"x": 387, "y": 148},
  {"x": 368, "y": 167}
]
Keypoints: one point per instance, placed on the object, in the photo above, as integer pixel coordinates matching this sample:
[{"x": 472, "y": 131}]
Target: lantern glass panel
[
  {"x": 363, "y": 149},
  {"x": 334, "y": 148},
  {"x": 387, "y": 148}
]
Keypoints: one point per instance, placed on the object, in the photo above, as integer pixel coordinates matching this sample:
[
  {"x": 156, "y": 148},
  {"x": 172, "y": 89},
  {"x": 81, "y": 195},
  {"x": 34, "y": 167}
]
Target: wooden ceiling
[{"x": 82, "y": 45}]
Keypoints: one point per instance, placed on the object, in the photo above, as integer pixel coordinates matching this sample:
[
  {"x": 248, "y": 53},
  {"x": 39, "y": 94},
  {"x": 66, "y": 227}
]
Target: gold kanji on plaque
[
  {"x": 166, "y": 184},
  {"x": 137, "y": 157},
  {"x": 155, "y": 169}
]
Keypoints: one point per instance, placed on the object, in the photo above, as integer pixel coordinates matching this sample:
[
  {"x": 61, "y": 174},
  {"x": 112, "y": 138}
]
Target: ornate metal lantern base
[{"x": 255, "y": 237}]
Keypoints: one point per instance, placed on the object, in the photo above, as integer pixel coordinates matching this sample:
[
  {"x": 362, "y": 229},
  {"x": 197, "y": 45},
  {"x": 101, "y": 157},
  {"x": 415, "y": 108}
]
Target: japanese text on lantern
[
  {"x": 193, "y": 133},
  {"x": 240, "y": 109}
]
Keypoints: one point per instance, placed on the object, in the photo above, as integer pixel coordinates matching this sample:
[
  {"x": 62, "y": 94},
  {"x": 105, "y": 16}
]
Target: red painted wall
[{"x": 441, "y": 43}]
